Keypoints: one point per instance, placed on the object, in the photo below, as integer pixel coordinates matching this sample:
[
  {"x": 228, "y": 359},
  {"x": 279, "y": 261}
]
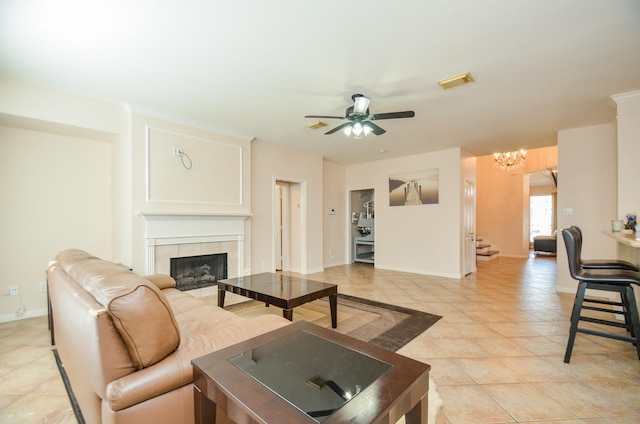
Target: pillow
[
  {"x": 140, "y": 311},
  {"x": 143, "y": 317}
]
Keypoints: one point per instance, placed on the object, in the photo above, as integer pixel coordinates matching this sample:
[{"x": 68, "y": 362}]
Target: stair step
[
  {"x": 482, "y": 245},
  {"x": 492, "y": 254},
  {"x": 489, "y": 252}
]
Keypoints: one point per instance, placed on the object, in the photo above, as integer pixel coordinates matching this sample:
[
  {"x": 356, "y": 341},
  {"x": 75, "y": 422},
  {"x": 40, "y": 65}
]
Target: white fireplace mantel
[{"x": 168, "y": 228}]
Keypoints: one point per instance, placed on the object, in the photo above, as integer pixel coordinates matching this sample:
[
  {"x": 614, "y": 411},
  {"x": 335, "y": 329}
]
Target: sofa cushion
[
  {"x": 139, "y": 310},
  {"x": 143, "y": 316}
]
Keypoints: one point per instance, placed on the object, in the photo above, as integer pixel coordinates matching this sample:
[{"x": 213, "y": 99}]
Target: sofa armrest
[
  {"x": 150, "y": 382},
  {"x": 162, "y": 281}
]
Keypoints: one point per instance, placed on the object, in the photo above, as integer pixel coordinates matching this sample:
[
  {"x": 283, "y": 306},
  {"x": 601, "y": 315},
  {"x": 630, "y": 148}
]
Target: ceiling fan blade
[
  {"x": 374, "y": 128},
  {"x": 326, "y": 117},
  {"x": 338, "y": 128},
  {"x": 393, "y": 115}
]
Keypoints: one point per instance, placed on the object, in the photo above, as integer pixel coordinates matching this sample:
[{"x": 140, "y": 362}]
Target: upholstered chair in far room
[
  {"x": 545, "y": 244},
  {"x": 607, "y": 280}
]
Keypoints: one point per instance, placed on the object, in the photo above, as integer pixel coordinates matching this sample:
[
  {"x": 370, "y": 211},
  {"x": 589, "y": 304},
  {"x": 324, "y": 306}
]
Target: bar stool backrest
[{"x": 572, "y": 242}]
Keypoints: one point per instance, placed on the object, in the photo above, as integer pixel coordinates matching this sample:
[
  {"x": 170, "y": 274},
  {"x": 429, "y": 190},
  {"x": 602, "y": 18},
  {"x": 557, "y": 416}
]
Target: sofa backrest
[{"x": 139, "y": 310}]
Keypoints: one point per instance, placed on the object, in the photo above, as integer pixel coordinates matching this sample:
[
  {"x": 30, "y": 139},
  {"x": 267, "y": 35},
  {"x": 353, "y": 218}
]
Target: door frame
[
  {"x": 469, "y": 264},
  {"x": 297, "y": 233}
]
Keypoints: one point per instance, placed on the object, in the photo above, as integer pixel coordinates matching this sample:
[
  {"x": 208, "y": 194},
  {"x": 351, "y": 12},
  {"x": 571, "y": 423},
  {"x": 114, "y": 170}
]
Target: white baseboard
[{"x": 25, "y": 315}]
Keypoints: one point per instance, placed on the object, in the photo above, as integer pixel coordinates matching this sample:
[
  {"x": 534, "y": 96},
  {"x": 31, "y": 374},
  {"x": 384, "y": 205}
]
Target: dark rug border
[
  {"x": 416, "y": 323},
  {"x": 67, "y": 385},
  {"x": 398, "y": 336}
]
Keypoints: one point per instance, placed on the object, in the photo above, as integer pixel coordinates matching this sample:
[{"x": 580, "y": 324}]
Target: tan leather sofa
[{"x": 126, "y": 342}]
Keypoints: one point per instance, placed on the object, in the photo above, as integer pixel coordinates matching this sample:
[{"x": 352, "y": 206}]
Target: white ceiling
[{"x": 257, "y": 67}]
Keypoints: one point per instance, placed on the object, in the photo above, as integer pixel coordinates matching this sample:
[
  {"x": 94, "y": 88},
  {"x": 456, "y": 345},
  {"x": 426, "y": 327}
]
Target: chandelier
[{"x": 510, "y": 160}]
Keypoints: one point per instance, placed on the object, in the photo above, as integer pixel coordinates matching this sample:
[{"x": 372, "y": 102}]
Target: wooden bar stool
[{"x": 604, "y": 279}]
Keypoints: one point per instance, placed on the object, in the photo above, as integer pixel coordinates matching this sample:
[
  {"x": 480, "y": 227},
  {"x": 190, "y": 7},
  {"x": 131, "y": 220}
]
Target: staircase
[{"x": 485, "y": 251}]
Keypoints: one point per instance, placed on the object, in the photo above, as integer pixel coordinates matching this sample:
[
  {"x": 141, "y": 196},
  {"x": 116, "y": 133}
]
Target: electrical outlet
[
  {"x": 177, "y": 151},
  {"x": 42, "y": 286},
  {"x": 13, "y": 290}
]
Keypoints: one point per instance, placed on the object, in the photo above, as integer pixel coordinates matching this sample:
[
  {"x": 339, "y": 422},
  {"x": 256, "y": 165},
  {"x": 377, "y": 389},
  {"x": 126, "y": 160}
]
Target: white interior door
[
  {"x": 469, "y": 245},
  {"x": 281, "y": 226}
]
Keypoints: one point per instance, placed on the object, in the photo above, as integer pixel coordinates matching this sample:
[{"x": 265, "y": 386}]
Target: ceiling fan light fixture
[
  {"x": 358, "y": 130},
  {"x": 315, "y": 125},
  {"x": 361, "y": 103},
  {"x": 456, "y": 81}
]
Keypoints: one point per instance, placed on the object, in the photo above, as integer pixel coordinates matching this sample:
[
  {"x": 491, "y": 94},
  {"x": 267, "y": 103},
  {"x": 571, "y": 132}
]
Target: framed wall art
[{"x": 414, "y": 188}]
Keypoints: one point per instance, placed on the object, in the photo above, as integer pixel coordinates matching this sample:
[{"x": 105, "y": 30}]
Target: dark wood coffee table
[
  {"x": 303, "y": 373},
  {"x": 283, "y": 291}
]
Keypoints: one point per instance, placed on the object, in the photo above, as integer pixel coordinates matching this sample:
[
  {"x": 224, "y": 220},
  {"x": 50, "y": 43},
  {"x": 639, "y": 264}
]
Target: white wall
[
  {"x": 335, "y": 226},
  {"x": 423, "y": 239},
  {"x": 55, "y": 182},
  {"x": 56, "y": 195},
  {"x": 587, "y": 184},
  {"x": 59, "y": 113},
  {"x": 271, "y": 163},
  {"x": 628, "y": 125},
  {"x": 198, "y": 191}
]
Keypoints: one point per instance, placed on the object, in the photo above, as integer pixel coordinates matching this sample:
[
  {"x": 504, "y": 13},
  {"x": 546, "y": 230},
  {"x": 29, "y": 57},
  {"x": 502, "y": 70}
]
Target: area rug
[{"x": 381, "y": 324}]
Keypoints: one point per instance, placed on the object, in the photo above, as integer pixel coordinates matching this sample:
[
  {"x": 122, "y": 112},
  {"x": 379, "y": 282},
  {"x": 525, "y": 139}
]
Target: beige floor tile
[
  {"x": 488, "y": 370},
  {"x": 614, "y": 420},
  {"x": 34, "y": 408},
  {"x": 584, "y": 400},
  {"x": 502, "y": 347},
  {"x": 513, "y": 329},
  {"x": 534, "y": 368},
  {"x": 541, "y": 345},
  {"x": 461, "y": 348},
  {"x": 524, "y": 402},
  {"x": 445, "y": 372},
  {"x": 422, "y": 348},
  {"x": 624, "y": 389},
  {"x": 583, "y": 367},
  {"x": 626, "y": 364},
  {"x": 469, "y": 404}
]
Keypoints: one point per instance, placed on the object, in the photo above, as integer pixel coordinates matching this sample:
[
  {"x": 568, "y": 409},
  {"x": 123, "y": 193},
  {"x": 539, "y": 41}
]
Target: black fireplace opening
[{"x": 194, "y": 272}]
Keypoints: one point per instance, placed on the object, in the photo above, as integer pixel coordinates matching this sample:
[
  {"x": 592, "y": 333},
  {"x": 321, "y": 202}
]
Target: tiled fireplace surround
[{"x": 181, "y": 235}]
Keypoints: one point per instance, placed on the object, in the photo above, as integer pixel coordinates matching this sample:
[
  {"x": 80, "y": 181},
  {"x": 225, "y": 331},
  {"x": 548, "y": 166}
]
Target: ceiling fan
[{"x": 360, "y": 120}]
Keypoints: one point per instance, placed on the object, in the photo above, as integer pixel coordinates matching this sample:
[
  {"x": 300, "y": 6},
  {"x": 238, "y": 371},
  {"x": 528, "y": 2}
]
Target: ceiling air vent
[
  {"x": 316, "y": 125},
  {"x": 456, "y": 81}
]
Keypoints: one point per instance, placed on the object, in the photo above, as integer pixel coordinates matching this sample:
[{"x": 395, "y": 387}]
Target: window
[{"x": 541, "y": 216}]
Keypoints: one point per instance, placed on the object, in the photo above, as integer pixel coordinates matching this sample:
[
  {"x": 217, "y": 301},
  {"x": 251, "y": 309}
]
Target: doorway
[
  {"x": 469, "y": 230},
  {"x": 282, "y": 226},
  {"x": 362, "y": 225},
  {"x": 541, "y": 208},
  {"x": 289, "y": 226}
]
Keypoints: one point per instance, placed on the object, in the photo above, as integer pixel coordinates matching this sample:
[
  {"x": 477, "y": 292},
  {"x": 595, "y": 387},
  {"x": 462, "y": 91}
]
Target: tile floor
[{"x": 496, "y": 354}]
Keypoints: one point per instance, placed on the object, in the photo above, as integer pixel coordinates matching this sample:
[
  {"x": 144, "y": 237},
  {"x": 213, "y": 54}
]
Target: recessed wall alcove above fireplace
[{"x": 171, "y": 235}]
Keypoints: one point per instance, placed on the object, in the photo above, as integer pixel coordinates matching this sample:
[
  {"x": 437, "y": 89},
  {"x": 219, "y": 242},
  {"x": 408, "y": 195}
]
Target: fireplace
[
  {"x": 173, "y": 235},
  {"x": 194, "y": 272}
]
